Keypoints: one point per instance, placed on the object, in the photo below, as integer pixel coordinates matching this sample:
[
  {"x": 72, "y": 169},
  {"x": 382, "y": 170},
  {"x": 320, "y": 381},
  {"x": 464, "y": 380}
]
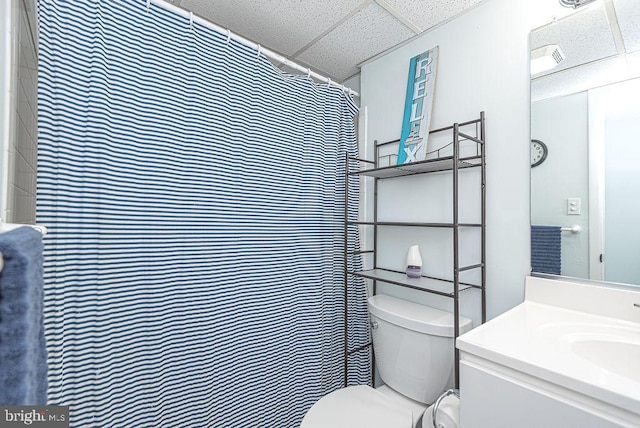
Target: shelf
[
  {"x": 442, "y": 287},
  {"x": 411, "y": 224},
  {"x": 422, "y": 167},
  {"x": 463, "y": 151}
]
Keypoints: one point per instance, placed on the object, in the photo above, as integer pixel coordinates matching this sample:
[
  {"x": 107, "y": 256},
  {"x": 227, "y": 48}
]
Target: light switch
[{"x": 574, "y": 206}]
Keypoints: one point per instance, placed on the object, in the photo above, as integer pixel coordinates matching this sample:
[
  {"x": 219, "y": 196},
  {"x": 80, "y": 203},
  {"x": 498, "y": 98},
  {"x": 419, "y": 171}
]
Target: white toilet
[{"x": 413, "y": 346}]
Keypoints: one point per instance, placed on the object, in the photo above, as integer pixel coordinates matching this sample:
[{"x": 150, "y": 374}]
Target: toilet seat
[{"x": 357, "y": 407}]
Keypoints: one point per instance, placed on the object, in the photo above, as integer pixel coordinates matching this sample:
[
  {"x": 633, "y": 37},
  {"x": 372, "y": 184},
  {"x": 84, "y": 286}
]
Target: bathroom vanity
[{"x": 568, "y": 356}]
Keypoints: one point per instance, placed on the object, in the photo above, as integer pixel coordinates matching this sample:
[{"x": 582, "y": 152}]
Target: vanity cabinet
[
  {"x": 498, "y": 397},
  {"x": 566, "y": 357},
  {"x": 463, "y": 148}
]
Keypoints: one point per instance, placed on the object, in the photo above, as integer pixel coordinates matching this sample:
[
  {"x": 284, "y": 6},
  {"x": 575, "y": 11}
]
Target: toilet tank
[{"x": 414, "y": 346}]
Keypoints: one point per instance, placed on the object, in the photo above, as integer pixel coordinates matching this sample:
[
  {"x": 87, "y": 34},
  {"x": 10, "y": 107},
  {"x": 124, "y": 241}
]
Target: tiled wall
[{"x": 21, "y": 88}]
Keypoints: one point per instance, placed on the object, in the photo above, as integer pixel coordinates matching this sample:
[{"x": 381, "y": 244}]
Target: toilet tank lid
[{"x": 420, "y": 318}]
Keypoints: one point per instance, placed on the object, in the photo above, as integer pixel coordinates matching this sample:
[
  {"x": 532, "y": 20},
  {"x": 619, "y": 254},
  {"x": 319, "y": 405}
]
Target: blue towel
[
  {"x": 23, "y": 354},
  {"x": 546, "y": 249}
]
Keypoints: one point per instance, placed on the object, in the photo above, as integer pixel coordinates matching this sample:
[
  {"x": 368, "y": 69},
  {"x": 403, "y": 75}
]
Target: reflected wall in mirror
[{"x": 585, "y": 196}]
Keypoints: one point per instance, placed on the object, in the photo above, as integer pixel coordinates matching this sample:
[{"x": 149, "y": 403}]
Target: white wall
[
  {"x": 18, "y": 110},
  {"x": 353, "y": 82},
  {"x": 619, "y": 115},
  {"x": 6, "y": 68},
  {"x": 483, "y": 65},
  {"x": 563, "y": 125}
]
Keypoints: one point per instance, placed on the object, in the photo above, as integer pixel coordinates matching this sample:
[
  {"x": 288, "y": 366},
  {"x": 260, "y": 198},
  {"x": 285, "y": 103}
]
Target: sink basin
[
  {"x": 618, "y": 357},
  {"x": 612, "y": 347}
]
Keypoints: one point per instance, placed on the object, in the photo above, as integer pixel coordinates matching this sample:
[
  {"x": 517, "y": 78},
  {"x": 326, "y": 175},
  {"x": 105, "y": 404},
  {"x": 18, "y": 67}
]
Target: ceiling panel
[
  {"x": 367, "y": 33},
  {"x": 284, "y": 26},
  {"x": 583, "y": 37},
  {"x": 546, "y": 11},
  {"x": 628, "y": 13},
  {"x": 633, "y": 62},
  {"x": 426, "y": 14},
  {"x": 610, "y": 70}
]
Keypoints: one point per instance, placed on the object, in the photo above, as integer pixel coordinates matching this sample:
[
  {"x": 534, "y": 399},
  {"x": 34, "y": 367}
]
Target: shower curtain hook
[
  {"x": 343, "y": 89},
  {"x": 191, "y": 21},
  {"x": 259, "y": 51},
  {"x": 148, "y": 5},
  {"x": 328, "y": 82},
  {"x": 228, "y": 36},
  {"x": 308, "y": 73}
]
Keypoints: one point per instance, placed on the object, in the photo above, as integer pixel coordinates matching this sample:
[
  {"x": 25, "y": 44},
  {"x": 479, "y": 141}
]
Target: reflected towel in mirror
[{"x": 546, "y": 249}]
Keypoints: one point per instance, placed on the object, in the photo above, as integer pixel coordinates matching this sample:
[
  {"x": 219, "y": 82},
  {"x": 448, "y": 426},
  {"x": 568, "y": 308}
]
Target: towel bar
[{"x": 573, "y": 229}]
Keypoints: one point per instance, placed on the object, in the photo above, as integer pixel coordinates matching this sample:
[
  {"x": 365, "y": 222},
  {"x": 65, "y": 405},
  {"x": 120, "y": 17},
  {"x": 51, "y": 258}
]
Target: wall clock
[{"x": 539, "y": 152}]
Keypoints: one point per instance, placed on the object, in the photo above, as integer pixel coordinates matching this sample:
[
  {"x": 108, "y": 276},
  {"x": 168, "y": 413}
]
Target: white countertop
[{"x": 540, "y": 339}]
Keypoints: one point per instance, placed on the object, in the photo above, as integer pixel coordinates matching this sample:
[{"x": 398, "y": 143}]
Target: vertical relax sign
[{"x": 417, "y": 109}]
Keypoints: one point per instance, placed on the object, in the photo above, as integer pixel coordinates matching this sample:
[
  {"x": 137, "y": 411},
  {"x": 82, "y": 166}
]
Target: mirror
[{"x": 585, "y": 116}]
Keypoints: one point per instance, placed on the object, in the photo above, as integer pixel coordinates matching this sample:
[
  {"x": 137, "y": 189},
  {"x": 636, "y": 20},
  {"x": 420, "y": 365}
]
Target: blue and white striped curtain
[{"x": 194, "y": 194}]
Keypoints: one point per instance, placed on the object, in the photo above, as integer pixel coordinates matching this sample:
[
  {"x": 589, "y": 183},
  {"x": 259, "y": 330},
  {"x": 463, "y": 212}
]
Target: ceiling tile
[
  {"x": 628, "y": 13},
  {"x": 284, "y": 26},
  {"x": 583, "y": 37},
  {"x": 426, "y": 14},
  {"x": 542, "y": 12},
  {"x": 367, "y": 33},
  {"x": 633, "y": 61},
  {"x": 610, "y": 70}
]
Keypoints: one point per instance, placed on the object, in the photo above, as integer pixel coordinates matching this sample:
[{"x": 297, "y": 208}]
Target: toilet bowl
[
  {"x": 357, "y": 406},
  {"x": 414, "y": 350}
]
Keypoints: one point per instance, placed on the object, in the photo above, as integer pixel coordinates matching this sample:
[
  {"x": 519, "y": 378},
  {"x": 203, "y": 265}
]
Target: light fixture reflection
[
  {"x": 545, "y": 58},
  {"x": 575, "y": 3}
]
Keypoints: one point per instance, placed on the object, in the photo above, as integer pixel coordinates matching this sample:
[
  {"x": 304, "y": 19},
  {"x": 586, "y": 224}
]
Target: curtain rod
[{"x": 266, "y": 52}]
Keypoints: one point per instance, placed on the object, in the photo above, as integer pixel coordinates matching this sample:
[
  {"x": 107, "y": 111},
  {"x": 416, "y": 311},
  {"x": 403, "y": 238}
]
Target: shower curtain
[{"x": 194, "y": 197}]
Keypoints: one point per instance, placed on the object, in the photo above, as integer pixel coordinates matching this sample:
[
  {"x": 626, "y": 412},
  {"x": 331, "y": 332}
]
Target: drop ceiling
[
  {"x": 601, "y": 43},
  {"x": 331, "y": 37}
]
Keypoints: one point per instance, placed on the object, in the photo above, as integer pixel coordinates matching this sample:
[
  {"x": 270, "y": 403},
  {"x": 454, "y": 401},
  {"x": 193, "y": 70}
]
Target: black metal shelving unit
[{"x": 435, "y": 163}]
